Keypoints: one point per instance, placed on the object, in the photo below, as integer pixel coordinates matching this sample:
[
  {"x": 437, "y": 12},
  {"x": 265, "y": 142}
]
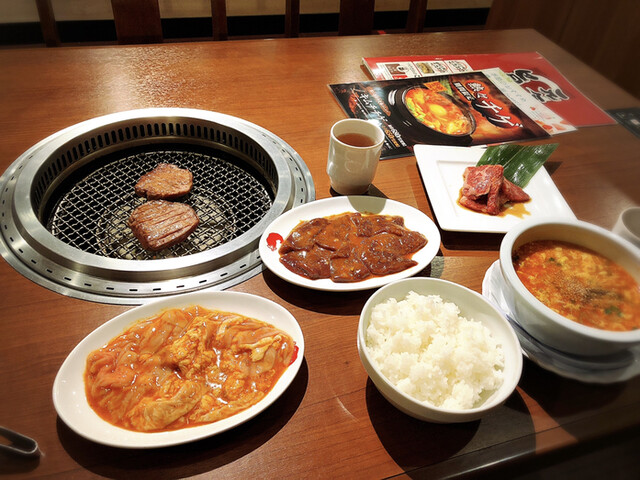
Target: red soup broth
[{"x": 579, "y": 284}]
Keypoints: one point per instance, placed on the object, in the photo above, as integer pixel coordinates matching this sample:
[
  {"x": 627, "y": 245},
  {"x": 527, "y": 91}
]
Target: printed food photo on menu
[{"x": 463, "y": 109}]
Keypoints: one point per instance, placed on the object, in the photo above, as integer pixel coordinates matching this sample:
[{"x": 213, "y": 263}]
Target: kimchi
[{"x": 185, "y": 367}]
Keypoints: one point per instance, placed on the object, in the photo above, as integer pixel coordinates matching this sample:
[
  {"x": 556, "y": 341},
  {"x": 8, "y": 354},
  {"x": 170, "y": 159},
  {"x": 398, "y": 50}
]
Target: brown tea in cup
[
  {"x": 355, "y": 146},
  {"x": 356, "y": 139}
]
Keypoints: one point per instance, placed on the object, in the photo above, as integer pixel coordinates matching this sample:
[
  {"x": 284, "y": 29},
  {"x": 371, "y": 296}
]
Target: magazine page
[
  {"x": 461, "y": 109},
  {"x": 534, "y": 73}
]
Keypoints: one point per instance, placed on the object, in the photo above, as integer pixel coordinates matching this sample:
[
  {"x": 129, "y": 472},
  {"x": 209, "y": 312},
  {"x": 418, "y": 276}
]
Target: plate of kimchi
[
  {"x": 349, "y": 243},
  {"x": 442, "y": 169},
  {"x": 179, "y": 369}
]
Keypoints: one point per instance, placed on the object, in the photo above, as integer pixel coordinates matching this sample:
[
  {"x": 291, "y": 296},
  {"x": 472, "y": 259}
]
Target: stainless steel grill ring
[{"x": 64, "y": 203}]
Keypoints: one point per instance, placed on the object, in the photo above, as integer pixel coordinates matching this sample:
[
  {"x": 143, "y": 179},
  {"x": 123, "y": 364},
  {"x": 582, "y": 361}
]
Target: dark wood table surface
[{"x": 331, "y": 422}]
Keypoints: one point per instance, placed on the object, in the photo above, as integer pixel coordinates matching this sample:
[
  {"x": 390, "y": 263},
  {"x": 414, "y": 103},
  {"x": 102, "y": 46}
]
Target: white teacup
[
  {"x": 628, "y": 225},
  {"x": 354, "y": 154}
]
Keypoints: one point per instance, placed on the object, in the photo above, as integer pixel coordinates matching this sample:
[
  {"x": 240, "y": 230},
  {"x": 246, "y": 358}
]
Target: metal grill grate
[{"x": 92, "y": 216}]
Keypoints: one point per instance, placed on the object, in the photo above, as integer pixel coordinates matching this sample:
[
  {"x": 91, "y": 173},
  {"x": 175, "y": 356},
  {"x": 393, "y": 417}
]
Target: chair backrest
[
  {"x": 417, "y": 16},
  {"x": 137, "y": 21},
  {"x": 356, "y": 17},
  {"x": 292, "y": 18},
  {"x": 219, "y": 19},
  {"x": 48, "y": 23}
]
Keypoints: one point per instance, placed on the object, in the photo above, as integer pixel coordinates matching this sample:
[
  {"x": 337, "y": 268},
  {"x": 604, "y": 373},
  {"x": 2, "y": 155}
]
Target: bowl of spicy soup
[{"x": 572, "y": 285}]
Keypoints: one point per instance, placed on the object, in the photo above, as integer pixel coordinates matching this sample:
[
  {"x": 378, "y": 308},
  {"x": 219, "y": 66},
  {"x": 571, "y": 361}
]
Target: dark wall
[{"x": 605, "y": 34}]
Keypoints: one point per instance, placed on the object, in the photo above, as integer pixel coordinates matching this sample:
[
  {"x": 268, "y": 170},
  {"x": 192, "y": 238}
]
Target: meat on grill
[
  {"x": 486, "y": 190},
  {"x": 166, "y": 181},
  {"x": 159, "y": 224}
]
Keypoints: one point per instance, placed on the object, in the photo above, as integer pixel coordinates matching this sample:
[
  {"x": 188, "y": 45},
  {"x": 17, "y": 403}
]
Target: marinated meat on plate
[
  {"x": 486, "y": 190},
  {"x": 159, "y": 224},
  {"x": 303, "y": 237},
  {"x": 513, "y": 192},
  {"x": 166, "y": 182},
  {"x": 350, "y": 247}
]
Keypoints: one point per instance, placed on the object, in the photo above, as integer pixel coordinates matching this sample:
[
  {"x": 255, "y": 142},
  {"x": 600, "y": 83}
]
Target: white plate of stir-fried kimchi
[
  {"x": 179, "y": 369},
  {"x": 349, "y": 243},
  {"x": 442, "y": 169}
]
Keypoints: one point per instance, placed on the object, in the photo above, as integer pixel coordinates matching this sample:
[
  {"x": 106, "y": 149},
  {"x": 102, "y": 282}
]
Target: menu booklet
[
  {"x": 534, "y": 73},
  {"x": 464, "y": 109}
]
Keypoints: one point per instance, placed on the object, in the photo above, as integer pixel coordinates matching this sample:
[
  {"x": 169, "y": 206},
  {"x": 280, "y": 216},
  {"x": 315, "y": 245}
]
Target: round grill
[{"x": 66, "y": 202}]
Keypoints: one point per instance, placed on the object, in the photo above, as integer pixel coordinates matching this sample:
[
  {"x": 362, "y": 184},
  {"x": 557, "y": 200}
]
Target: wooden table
[{"x": 332, "y": 422}]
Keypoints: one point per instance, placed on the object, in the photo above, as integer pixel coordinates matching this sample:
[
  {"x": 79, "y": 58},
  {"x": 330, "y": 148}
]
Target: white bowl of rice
[{"x": 438, "y": 351}]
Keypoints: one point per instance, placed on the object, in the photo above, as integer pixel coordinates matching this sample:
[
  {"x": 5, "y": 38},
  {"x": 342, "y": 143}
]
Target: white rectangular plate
[{"x": 441, "y": 168}]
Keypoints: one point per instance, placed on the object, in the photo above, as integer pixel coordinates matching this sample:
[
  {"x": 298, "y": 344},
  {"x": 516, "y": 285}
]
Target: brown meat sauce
[{"x": 350, "y": 247}]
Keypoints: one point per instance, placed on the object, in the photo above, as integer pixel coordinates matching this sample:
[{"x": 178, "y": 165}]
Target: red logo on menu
[{"x": 495, "y": 111}]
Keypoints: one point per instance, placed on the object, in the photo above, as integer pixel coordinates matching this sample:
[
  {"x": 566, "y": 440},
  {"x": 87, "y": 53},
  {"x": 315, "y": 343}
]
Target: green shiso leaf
[{"x": 520, "y": 162}]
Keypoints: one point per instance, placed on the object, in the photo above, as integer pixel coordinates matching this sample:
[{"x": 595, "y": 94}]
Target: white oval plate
[
  {"x": 69, "y": 396},
  {"x": 413, "y": 219}
]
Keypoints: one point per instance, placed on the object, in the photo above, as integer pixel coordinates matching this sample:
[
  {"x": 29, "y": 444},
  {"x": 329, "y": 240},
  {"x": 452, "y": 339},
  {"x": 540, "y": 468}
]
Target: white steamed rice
[{"x": 428, "y": 351}]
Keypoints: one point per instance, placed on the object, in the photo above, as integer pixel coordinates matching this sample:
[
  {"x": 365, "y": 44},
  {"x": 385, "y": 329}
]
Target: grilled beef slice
[
  {"x": 166, "y": 182},
  {"x": 159, "y": 224}
]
